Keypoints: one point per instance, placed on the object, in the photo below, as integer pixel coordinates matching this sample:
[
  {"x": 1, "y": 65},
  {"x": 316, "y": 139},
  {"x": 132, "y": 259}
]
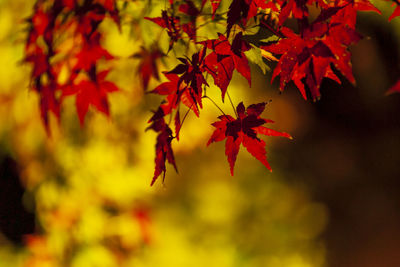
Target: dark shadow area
[
  {"x": 15, "y": 220},
  {"x": 350, "y": 157}
]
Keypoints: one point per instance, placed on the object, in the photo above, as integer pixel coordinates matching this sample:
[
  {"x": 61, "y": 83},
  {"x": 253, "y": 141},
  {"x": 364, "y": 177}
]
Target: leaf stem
[
  {"x": 215, "y": 104},
  {"x": 184, "y": 117},
  {"x": 233, "y": 106}
]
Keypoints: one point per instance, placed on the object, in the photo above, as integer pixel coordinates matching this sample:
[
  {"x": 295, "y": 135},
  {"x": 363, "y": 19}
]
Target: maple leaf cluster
[
  {"x": 187, "y": 82},
  {"x": 315, "y": 46},
  {"x": 77, "y": 57}
]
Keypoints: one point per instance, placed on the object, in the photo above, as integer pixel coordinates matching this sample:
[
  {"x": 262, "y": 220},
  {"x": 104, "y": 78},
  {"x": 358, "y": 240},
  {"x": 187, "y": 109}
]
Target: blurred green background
[{"x": 82, "y": 197}]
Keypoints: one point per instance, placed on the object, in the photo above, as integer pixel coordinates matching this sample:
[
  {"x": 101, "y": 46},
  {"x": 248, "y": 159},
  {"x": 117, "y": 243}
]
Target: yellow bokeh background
[{"x": 89, "y": 187}]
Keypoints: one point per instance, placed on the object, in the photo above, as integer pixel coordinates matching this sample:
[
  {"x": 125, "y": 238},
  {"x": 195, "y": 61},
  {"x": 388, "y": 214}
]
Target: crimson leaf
[
  {"x": 163, "y": 146},
  {"x": 244, "y": 130}
]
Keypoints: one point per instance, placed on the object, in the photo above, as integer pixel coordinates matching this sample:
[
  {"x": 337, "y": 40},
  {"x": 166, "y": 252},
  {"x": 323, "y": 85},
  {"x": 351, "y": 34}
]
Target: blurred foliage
[{"x": 89, "y": 187}]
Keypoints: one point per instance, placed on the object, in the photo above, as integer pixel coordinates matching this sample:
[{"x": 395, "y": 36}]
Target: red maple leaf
[
  {"x": 163, "y": 146},
  {"x": 48, "y": 102},
  {"x": 191, "y": 71},
  {"x": 189, "y": 9},
  {"x": 224, "y": 58},
  {"x": 70, "y": 4},
  {"x": 186, "y": 88},
  {"x": 396, "y": 11},
  {"x": 48, "y": 24},
  {"x": 93, "y": 93},
  {"x": 241, "y": 11},
  {"x": 297, "y": 8},
  {"x": 237, "y": 13},
  {"x": 347, "y": 15},
  {"x": 176, "y": 92},
  {"x": 171, "y": 24},
  {"x": 40, "y": 21},
  {"x": 91, "y": 53},
  {"x": 178, "y": 124},
  {"x": 214, "y": 6},
  {"x": 142, "y": 215},
  {"x": 256, "y": 5},
  {"x": 92, "y": 13},
  {"x": 244, "y": 130},
  {"x": 36, "y": 56},
  {"x": 147, "y": 67},
  {"x": 306, "y": 58},
  {"x": 108, "y": 4}
]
